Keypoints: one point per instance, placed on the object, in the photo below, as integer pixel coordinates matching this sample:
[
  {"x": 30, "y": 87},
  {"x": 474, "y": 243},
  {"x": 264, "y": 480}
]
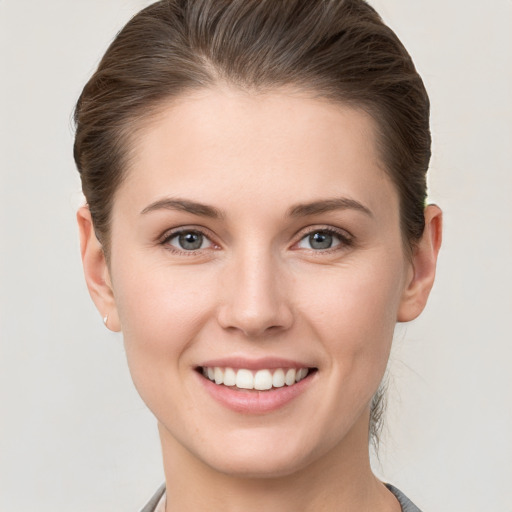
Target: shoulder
[{"x": 406, "y": 504}]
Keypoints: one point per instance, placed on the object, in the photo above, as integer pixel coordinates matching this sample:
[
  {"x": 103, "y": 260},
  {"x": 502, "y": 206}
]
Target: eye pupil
[
  {"x": 320, "y": 240},
  {"x": 191, "y": 241}
]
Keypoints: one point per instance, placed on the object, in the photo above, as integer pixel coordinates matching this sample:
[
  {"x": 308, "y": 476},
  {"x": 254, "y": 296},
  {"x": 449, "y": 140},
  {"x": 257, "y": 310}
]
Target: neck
[{"x": 338, "y": 480}]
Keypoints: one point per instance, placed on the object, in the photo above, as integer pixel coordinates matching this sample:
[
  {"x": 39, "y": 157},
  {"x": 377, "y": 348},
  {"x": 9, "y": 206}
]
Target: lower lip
[{"x": 253, "y": 401}]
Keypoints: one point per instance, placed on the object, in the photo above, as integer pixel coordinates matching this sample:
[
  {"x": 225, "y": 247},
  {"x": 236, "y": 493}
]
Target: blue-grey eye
[
  {"x": 320, "y": 240},
  {"x": 189, "y": 241}
]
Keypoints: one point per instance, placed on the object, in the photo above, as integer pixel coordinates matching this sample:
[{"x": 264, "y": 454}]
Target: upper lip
[{"x": 265, "y": 363}]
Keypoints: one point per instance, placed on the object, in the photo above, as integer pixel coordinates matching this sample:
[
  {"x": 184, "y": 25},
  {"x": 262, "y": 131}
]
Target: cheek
[
  {"x": 161, "y": 306},
  {"x": 162, "y": 311},
  {"x": 353, "y": 310}
]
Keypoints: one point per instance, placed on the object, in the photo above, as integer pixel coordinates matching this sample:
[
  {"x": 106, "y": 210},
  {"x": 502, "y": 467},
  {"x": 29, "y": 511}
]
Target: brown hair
[{"x": 337, "y": 49}]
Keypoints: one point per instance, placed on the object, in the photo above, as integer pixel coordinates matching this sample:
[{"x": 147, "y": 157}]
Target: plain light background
[{"x": 73, "y": 433}]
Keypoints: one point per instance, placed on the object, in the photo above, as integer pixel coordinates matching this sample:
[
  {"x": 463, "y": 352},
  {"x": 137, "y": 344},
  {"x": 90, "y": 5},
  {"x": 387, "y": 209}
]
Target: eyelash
[
  {"x": 169, "y": 235},
  {"x": 345, "y": 240}
]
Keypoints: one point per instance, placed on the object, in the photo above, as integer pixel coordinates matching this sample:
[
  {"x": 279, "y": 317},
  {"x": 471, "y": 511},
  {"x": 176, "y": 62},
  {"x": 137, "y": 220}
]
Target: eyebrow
[
  {"x": 327, "y": 205},
  {"x": 299, "y": 210},
  {"x": 203, "y": 210}
]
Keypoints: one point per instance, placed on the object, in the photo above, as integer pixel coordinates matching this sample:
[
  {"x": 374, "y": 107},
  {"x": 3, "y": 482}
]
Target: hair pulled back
[{"x": 337, "y": 49}]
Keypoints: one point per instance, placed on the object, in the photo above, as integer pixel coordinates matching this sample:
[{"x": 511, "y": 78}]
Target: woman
[{"x": 255, "y": 226}]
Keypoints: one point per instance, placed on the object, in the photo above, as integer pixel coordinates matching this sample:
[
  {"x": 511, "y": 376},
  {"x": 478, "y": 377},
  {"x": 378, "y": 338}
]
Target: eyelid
[
  {"x": 346, "y": 238},
  {"x": 169, "y": 234}
]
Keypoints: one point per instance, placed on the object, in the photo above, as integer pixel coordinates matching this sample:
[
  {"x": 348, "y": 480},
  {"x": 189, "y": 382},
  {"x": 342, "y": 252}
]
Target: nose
[{"x": 254, "y": 295}]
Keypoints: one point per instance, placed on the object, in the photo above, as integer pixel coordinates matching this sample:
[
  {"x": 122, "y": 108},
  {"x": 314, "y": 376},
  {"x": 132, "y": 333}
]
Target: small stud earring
[{"x": 105, "y": 320}]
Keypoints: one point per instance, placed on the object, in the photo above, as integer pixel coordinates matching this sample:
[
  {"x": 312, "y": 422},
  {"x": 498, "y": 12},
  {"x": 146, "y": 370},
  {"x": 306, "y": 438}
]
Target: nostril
[{"x": 254, "y": 306}]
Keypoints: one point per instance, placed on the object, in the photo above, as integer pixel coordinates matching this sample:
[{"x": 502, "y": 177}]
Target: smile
[
  {"x": 256, "y": 386},
  {"x": 261, "y": 380}
]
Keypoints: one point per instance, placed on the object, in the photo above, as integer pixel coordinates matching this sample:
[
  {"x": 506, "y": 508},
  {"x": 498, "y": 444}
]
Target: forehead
[{"x": 267, "y": 149}]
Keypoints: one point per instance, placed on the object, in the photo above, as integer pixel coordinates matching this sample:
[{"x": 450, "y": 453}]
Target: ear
[
  {"x": 423, "y": 269},
  {"x": 96, "y": 270}
]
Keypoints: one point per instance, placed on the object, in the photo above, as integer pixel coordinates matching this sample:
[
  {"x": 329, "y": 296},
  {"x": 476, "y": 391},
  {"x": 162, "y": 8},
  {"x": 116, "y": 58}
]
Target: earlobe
[
  {"x": 96, "y": 270},
  {"x": 424, "y": 264}
]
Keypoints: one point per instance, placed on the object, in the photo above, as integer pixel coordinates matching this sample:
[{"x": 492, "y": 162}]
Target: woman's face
[{"x": 258, "y": 233}]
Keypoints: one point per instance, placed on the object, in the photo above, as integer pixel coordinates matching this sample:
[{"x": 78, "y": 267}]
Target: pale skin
[{"x": 251, "y": 177}]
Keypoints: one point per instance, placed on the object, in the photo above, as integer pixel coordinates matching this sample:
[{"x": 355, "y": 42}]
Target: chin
[
  {"x": 257, "y": 458},
  {"x": 251, "y": 467}
]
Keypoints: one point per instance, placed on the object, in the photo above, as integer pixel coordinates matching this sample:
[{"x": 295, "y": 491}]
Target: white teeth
[
  {"x": 218, "y": 375},
  {"x": 290, "y": 377},
  {"x": 262, "y": 380},
  {"x": 301, "y": 374},
  {"x": 229, "y": 377},
  {"x": 278, "y": 378},
  {"x": 244, "y": 379}
]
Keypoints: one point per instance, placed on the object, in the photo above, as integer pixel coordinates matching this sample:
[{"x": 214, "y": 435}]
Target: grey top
[
  {"x": 153, "y": 502},
  {"x": 406, "y": 504}
]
